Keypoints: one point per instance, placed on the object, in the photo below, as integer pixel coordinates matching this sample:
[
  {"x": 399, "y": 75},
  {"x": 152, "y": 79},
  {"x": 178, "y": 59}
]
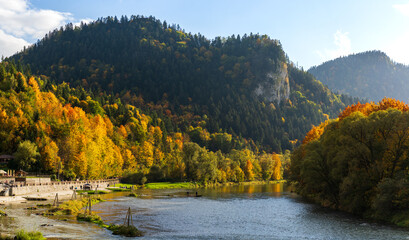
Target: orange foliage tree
[{"x": 371, "y": 107}]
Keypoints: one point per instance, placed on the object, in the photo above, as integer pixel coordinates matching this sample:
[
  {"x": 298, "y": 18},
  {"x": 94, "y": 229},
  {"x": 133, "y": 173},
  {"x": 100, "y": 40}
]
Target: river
[{"x": 235, "y": 212}]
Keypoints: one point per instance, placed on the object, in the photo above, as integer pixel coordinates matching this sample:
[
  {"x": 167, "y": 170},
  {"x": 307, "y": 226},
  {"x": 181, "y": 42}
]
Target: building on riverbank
[{"x": 41, "y": 185}]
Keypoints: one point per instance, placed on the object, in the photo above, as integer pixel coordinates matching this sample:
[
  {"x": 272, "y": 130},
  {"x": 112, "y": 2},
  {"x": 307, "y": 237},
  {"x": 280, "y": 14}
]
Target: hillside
[
  {"x": 64, "y": 131},
  {"x": 371, "y": 75},
  {"x": 245, "y": 86}
]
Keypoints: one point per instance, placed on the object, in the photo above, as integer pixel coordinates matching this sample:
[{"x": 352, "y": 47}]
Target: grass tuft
[
  {"x": 94, "y": 218},
  {"x": 133, "y": 194},
  {"x": 3, "y": 214},
  {"x": 127, "y": 231},
  {"x": 23, "y": 235},
  {"x": 45, "y": 205}
]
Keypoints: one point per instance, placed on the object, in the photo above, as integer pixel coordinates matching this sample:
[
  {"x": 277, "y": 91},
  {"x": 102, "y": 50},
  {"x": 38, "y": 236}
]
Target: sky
[{"x": 311, "y": 32}]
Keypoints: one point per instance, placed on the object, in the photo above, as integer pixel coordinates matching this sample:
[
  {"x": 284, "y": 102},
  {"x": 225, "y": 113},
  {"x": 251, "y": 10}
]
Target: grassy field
[
  {"x": 92, "y": 191},
  {"x": 123, "y": 185},
  {"x": 169, "y": 185},
  {"x": 119, "y": 189}
]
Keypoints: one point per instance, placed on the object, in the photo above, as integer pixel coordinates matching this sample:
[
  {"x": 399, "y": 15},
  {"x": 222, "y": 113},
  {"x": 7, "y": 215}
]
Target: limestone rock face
[{"x": 275, "y": 87}]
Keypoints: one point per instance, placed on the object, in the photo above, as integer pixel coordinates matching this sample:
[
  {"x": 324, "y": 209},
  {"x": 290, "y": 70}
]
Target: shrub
[
  {"x": 127, "y": 231},
  {"x": 23, "y": 235},
  {"x": 94, "y": 218}
]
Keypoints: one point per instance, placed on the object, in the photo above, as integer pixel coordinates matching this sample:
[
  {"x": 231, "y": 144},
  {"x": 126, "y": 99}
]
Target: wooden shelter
[{"x": 21, "y": 173}]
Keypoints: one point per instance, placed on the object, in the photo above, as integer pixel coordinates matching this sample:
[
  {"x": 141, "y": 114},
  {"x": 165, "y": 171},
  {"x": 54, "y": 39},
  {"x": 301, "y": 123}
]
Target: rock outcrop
[{"x": 276, "y": 86}]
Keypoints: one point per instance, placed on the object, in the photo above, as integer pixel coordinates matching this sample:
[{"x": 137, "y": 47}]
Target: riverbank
[{"x": 39, "y": 216}]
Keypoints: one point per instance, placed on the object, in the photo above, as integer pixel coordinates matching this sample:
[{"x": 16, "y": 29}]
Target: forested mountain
[
  {"x": 371, "y": 75},
  {"x": 64, "y": 131},
  {"x": 245, "y": 86}
]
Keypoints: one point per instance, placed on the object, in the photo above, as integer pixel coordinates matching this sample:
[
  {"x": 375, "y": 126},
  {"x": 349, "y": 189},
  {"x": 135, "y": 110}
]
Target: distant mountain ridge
[
  {"x": 245, "y": 85},
  {"x": 372, "y": 75}
]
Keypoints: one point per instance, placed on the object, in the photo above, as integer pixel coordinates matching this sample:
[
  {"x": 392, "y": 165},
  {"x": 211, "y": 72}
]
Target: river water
[{"x": 234, "y": 212}]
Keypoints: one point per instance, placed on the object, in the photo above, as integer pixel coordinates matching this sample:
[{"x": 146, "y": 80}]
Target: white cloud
[
  {"x": 398, "y": 50},
  {"x": 21, "y": 23},
  {"x": 14, "y": 6},
  {"x": 342, "y": 44},
  {"x": 402, "y": 8},
  {"x": 85, "y": 21},
  {"x": 10, "y": 44}
]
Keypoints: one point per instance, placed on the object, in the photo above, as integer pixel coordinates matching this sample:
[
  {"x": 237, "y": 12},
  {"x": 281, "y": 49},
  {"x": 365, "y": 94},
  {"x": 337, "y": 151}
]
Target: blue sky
[{"x": 311, "y": 32}]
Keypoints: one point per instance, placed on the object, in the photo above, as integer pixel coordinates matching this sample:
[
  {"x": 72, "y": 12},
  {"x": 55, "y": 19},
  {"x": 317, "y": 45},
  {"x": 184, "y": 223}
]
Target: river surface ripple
[{"x": 240, "y": 212}]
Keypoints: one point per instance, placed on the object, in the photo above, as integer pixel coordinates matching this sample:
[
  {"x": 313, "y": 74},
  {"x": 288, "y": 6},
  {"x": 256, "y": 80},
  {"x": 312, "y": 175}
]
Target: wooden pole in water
[
  {"x": 89, "y": 201},
  {"x": 74, "y": 195},
  {"x": 56, "y": 200},
  {"x": 128, "y": 218}
]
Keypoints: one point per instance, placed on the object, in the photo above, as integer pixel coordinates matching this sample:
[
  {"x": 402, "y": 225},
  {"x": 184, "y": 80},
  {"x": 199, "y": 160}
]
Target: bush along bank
[
  {"x": 71, "y": 207},
  {"x": 358, "y": 163},
  {"x": 23, "y": 235}
]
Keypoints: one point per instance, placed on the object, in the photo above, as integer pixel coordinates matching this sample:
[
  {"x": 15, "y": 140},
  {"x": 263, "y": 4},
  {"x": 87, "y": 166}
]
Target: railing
[{"x": 58, "y": 183}]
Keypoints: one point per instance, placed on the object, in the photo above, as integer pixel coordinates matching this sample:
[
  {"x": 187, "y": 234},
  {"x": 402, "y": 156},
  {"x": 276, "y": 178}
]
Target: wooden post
[
  {"x": 56, "y": 200},
  {"x": 89, "y": 201},
  {"x": 128, "y": 218},
  {"x": 74, "y": 195}
]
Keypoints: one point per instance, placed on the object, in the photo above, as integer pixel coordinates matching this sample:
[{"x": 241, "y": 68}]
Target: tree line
[{"x": 358, "y": 162}]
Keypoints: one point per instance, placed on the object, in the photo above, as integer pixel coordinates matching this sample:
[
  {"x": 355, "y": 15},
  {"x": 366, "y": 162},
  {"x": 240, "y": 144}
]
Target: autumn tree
[
  {"x": 359, "y": 163},
  {"x": 26, "y": 156}
]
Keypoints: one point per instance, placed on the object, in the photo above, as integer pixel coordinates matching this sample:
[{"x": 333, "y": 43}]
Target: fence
[{"x": 31, "y": 188}]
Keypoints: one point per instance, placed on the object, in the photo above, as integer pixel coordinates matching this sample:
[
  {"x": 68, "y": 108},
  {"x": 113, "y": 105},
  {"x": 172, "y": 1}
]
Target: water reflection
[
  {"x": 246, "y": 191},
  {"x": 241, "y": 212}
]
